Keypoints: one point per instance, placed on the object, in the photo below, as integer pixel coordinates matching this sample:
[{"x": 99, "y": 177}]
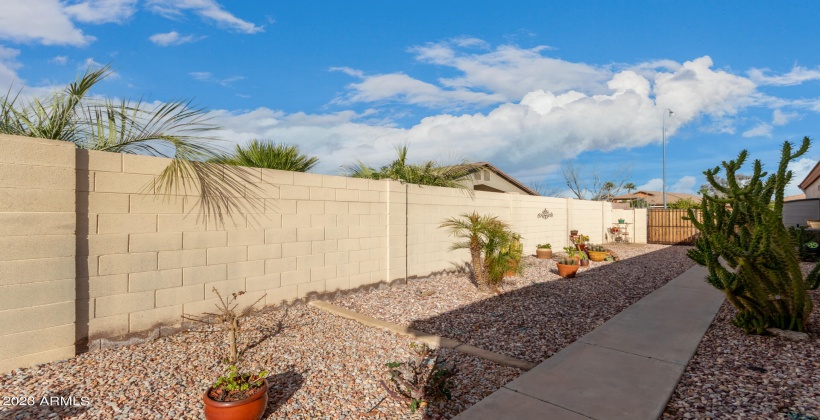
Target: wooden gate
[{"x": 668, "y": 227}]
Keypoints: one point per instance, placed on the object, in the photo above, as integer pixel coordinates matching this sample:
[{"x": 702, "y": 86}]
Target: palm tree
[
  {"x": 174, "y": 129},
  {"x": 426, "y": 173},
  {"x": 258, "y": 154},
  {"x": 480, "y": 233},
  {"x": 629, "y": 187}
]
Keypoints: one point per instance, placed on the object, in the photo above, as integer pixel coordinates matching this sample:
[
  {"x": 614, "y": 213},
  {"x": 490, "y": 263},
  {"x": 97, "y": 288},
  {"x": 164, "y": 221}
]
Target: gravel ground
[
  {"x": 322, "y": 367},
  {"x": 539, "y": 312},
  {"x": 734, "y": 375}
]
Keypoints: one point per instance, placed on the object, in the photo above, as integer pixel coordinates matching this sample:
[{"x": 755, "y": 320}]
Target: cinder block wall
[
  {"x": 638, "y": 220},
  {"x": 93, "y": 252},
  {"x": 37, "y": 250}
]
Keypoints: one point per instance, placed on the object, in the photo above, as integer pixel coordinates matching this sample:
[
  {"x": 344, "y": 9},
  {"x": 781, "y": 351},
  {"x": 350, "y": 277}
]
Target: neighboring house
[
  {"x": 493, "y": 179},
  {"x": 799, "y": 209},
  {"x": 811, "y": 184},
  {"x": 654, "y": 198}
]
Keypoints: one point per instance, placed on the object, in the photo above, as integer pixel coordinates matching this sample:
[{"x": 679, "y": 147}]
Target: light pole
[{"x": 663, "y": 131}]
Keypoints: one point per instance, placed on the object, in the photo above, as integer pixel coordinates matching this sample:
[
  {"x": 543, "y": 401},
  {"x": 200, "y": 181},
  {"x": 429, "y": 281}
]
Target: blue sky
[{"x": 525, "y": 86}]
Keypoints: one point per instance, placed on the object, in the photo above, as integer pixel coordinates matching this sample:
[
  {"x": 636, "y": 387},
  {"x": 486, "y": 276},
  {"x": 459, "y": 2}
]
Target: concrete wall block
[
  {"x": 141, "y": 164},
  {"x": 359, "y": 256},
  {"x": 128, "y": 263},
  {"x": 148, "y": 320},
  {"x": 154, "y": 204},
  {"x": 86, "y": 266},
  {"x": 84, "y": 180},
  {"x": 35, "y": 247},
  {"x": 338, "y": 283},
  {"x": 307, "y": 179},
  {"x": 107, "y": 327},
  {"x": 246, "y": 269},
  {"x": 320, "y": 193},
  {"x": 204, "y": 274},
  {"x": 179, "y": 223},
  {"x": 294, "y": 192},
  {"x": 263, "y": 282},
  {"x": 371, "y": 243},
  {"x": 20, "y": 224},
  {"x": 369, "y": 196},
  {"x": 246, "y": 237},
  {"x": 126, "y": 223},
  {"x": 22, "y": 150},
  {"x": 276, "y": 177},
  {"x": 29, "y": 342},
  {"x": 359, "y": 208},
  {"x": 347, "y": 220},
  {"x": 295, "y": 277},
  {"x": 228, "y": 254},
  {"x": 378, "y": 208},
  {"x": 102, "y": 203},
  {"x": 201, "y": 307},
  {"x": 311, "y": 287},
  {"x": 336, "y": 207},
  {"x": 202, "y": 240},
  {"x": 334, "y": 181},
  {"x": 225, "y": 287},
  {"x": 280, "y": 265},
  {"x": 358, "y": 184},
  {"x": 370, "y": 220},
  {"x": 359, "y": 280},
  {"x": 165, "y": 241},
  {"x": 36, "y": 317},
  {"x": 307, "y": 262},
  {"x": 123, "y": 183},
  {"x": 124, "y": 303},
  {"x": 99, "y": 286},
  {"x": 377, "y": 276},
  {"x": 323, "y": 247},
  {"x": 343, "y": 195},
  {"x": 281, "y": 206},
  {"x": 310, "y": 207},
  {"x": 280, "y": 236},
  {"x": 264, "y": 252},
  {"x": 296, "y": 220},
  {"x": 181, "y": 259},
  {"x": 265, "y": 221},
  {"x": 341, "y": 232},
  {"x": 26, "y": 200},
  {"x": 358, "y": 232},
  {"x": 154, "y": 280},
  {"x": 348, "y": 269},
  {"x": 37, "y": 177},
  {"x": 280, "y": 295},
  {"x": 336, "y": 258},
  {"x": 322, "y": 220},
  {"x": 348, "y": 245},
  {"x": 297, "y": 249},
  {"x": 322, "y": 273},
  {"x": 368, "y": 266},
  {"x": 181, "y": 295},
  {"x": 86, "y": 224},
  {"x": 310, "y": 234}
]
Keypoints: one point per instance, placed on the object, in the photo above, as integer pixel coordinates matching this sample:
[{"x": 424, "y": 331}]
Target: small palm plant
[
  {"x": 259, "y": 154},
  {"x": 484, "y": 236}
]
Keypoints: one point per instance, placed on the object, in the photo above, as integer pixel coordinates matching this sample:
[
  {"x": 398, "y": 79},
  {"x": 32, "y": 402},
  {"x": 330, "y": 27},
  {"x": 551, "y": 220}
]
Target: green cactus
[{"x": 742, "y": 225}]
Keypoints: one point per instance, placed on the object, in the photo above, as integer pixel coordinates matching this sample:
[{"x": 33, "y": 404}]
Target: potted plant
[
  {"x": 543, "y": 251},
  {"x": 584, "y": 259},
  {"x": 573, "y": 232},
  {"x": 596, "y": 252},
  {"x": 567, "y": 267},
  {"x": 572, "y": 252},
  {"x": 621, "y": 221},
  {"x": 235, "y": 395},
  {"x": 580, "y": 242}
]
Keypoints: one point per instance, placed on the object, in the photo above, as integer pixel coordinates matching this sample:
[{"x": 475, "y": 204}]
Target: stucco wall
[{"x": 91, "y": 252}]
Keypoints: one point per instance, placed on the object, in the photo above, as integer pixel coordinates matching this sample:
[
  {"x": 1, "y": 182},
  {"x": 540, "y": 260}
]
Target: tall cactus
[{"x": 742, "y": 225}]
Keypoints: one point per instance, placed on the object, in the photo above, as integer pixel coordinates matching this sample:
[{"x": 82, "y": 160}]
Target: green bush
[{"x": 742, "y": 225}]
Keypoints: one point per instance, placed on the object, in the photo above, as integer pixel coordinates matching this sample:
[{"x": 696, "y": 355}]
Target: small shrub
[
  {"x": 422, "y": 379},
  {"x": 544, "y": 246},
  {"x": 235, "y": 386},
  {"x": 568, "y": 261}
]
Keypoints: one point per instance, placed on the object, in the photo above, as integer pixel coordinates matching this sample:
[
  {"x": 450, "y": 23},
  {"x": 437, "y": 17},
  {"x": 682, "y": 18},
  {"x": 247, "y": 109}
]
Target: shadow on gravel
[
  {"x": 534, "y": 322},
  {"x": 65, "y": 403},
  {"x": 282, "y": 387}
]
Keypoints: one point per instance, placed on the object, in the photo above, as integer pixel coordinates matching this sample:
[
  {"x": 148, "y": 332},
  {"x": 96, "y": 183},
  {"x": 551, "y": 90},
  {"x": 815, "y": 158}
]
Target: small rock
[{"x": 789, "y": 335}]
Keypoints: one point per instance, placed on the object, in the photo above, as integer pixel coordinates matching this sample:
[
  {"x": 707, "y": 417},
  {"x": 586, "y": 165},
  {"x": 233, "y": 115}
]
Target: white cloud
[
  {"x": 800, "y": 170},
  {"x": 796, "y": 76},
  {"x": 8, "y": 67},
  {"x": 782, "y": 118},
  {"x": 59, "y": 59},
  {"x": 101, "y": 11},
  {"x": 512, "y": 71},
  {"x": 204, "y": 76},
  {"x": 41, "y": 21},
  {"x": 760, "y": 130},
  {"x": 206, "y": 9},
  {"x": 683, "y": 185},
  {"x": 171, "y": 38}
]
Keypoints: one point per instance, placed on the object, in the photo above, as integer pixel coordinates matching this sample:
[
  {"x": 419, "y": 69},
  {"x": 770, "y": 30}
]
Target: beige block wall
[
  {"x": 638, "y": 220},
  {"x": 37, "y": 251},
  {"x": 105, "y": 249}
]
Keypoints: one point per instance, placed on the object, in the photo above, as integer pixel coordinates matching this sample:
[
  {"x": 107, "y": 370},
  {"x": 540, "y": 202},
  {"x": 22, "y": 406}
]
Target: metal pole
[{"x": 663, "y": 131}]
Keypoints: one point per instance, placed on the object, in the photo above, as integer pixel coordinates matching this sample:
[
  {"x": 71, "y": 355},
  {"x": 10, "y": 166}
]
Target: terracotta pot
[
  {"x": 251, "y": 408},
  {"x": 567, "y": 271},
  {"x": 573, "y": 232},
  {"x": 543, "y": 253},
  {"x": 597, "y": 255},
  {"x": 585, "y": 263}
]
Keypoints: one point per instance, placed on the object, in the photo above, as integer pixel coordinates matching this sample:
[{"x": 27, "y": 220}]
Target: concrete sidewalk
[{"x": 624, "y": 369}]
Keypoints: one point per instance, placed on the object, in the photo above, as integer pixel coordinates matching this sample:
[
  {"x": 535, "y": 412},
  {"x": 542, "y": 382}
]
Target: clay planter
[
  {"x": 585, "y": 263},
  {"x": 543, "y": 253},
  {"x": 567, "y": 271},
  {"x": 597, "y": 255},
  {"x": 251, "y": 408}
]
